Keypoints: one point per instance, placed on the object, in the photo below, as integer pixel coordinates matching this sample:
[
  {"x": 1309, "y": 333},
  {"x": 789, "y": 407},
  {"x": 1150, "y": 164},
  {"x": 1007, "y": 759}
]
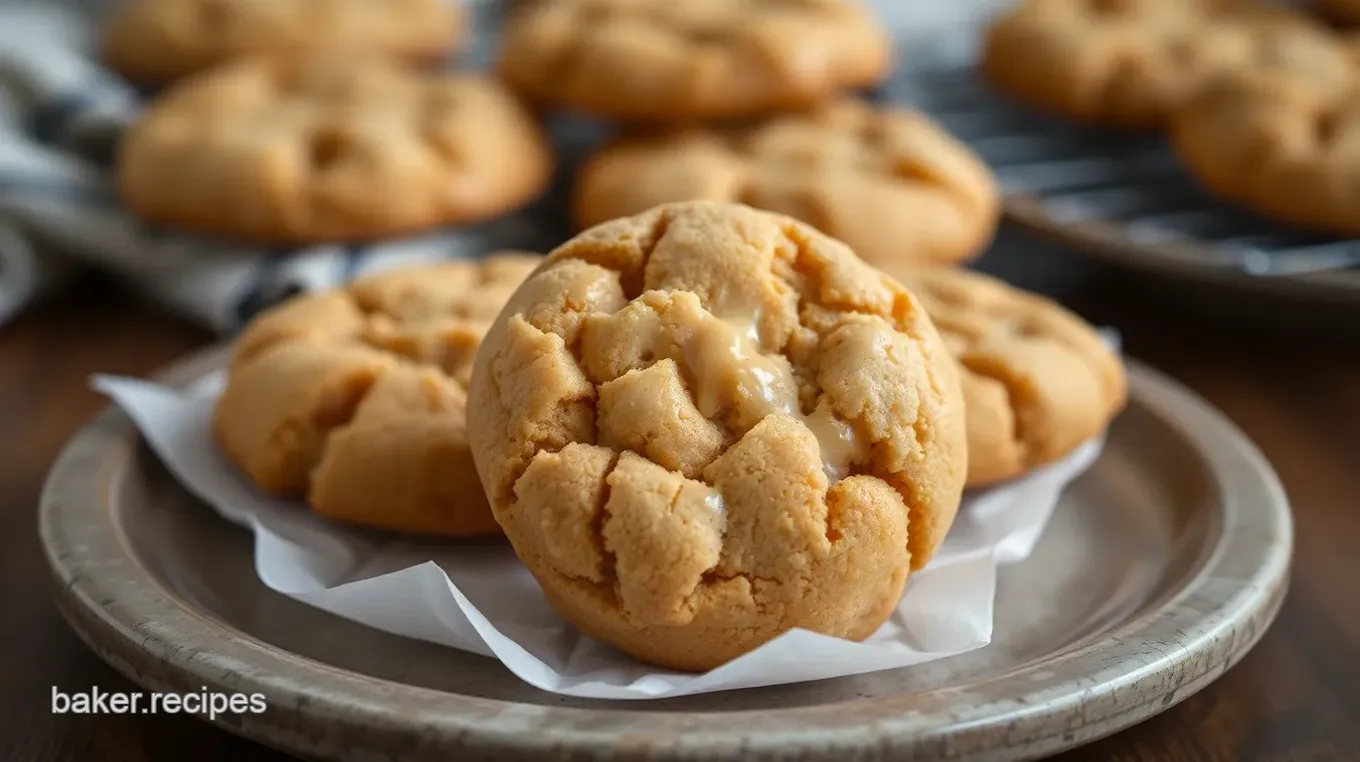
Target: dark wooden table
[{"x": 1295, "y": 697}]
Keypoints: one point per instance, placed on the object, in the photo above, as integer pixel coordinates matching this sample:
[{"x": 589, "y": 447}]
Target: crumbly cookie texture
[
  {"x": 354, "y": 399},
  {"x": 1284, "y": 144},
  {"x": 661, "y": 59},
  {"x": 888, "y": 182},
  {"x": 328, "y": 148},
  {"x": 156, "y": 41},
  {"x": 1133, "y": 63},
  {"x": 1038, "y": 381},
  {"x": 704, "y": 425}
]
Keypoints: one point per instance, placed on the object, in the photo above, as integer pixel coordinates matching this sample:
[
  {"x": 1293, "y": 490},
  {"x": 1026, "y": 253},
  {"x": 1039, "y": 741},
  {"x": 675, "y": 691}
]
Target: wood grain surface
[{"x": 1295, "y": 697}]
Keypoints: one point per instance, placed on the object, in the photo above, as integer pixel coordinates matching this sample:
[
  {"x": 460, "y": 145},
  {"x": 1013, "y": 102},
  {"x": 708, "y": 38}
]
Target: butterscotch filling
[{"x": 719, "y": 359}]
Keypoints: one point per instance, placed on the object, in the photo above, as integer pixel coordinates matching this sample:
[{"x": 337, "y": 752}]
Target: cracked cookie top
[
  {"x": 335, "y": 146},
  {"x": 705, "y": 424},
  {"x": 1038, "y": 381},
  {"x": 888, "y": 182},
  {"x": 1133, "y": 63},
  {"x": 660, "y": 59},
  {"x": 160, "y": 40},
  {"x": 354, "y": 399}
]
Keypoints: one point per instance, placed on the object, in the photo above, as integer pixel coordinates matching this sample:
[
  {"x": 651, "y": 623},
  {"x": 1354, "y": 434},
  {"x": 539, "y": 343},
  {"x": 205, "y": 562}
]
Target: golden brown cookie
[
  {"x": 705, "y": 425},
  {"x": 160, "y": 40},
  {"x": 1132, "y": 63},
  {"x": 354, "y": 399},
  {"x": 1285, "y": 144},
  {"x": 888, "y": 182},
  {"x": 329, "y": 148},
  {"x": 698, "y": 59},
  {"x": 1038, "y": 381}
]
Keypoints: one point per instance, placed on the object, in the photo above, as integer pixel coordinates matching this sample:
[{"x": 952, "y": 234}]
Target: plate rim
[{"x": 127, "y": 617}]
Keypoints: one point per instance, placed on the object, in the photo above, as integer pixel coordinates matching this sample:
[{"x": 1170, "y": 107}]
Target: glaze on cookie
[{"x": 704, "y": 425}]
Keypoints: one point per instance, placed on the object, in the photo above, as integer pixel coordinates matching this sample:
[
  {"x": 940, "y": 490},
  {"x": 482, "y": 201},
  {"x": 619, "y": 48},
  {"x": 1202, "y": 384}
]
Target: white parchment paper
[{"x": 477, "y": 597}]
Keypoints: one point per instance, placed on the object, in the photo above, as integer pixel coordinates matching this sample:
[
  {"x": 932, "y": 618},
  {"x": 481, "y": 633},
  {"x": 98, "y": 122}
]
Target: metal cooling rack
[{"x": 1124, "y": 198}]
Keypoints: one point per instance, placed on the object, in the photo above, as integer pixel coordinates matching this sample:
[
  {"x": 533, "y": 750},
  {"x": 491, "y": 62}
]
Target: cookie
[
  {"x": 1038, "y": 381},
  {"x": 330, "y": 148},
  {"x": 1133, "y": 63},
  {"x": 1286, "y": 145},
  {"x": 156, "y": 41},
  {"x": 888, "y": 182},
  {"x": 704, "y": 425},
  {"x": 354, "y": 399},
  {"x": 699, "y": 59}
]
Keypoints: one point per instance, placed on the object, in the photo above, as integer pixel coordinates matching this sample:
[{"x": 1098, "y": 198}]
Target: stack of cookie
[
  {"x": 1259, "y": 100},
  {"x": 746, "y": 397},
  {"x": 752, "y": 102},
  {"x": 310, "y": 121},
  {"x": 699, "y": 427}
]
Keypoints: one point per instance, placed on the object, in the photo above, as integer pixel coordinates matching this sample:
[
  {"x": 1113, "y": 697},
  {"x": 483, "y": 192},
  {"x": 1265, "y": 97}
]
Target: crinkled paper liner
[{"x": 479, "y": 598}]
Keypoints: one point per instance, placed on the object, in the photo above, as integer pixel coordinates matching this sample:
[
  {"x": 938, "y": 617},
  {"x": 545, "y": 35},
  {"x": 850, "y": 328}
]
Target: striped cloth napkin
[{"x": 61, "y": 113}]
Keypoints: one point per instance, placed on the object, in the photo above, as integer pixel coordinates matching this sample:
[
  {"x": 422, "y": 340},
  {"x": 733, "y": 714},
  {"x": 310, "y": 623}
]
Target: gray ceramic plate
[{"x": 1161, "y": 568}]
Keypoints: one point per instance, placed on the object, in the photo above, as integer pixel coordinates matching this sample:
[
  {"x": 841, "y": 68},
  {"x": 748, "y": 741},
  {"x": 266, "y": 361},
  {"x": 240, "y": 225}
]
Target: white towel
[{"x": 61, "y": 113}]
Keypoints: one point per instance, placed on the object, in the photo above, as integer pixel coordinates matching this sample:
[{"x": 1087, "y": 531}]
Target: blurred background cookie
[
  {"x": 1286, "y": 145},
  {"x": 888, "y": 182},
  {"x": 330, "y": 147},
  {"x": 705, "y": 425},
  {"x": 1037, "y": 380},
  {"x": 160, "y": 40},
  {"x": 354, "y": 399},
  {"x": 1132, "y": 63},
  {"x": 661, "y": 59}
]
